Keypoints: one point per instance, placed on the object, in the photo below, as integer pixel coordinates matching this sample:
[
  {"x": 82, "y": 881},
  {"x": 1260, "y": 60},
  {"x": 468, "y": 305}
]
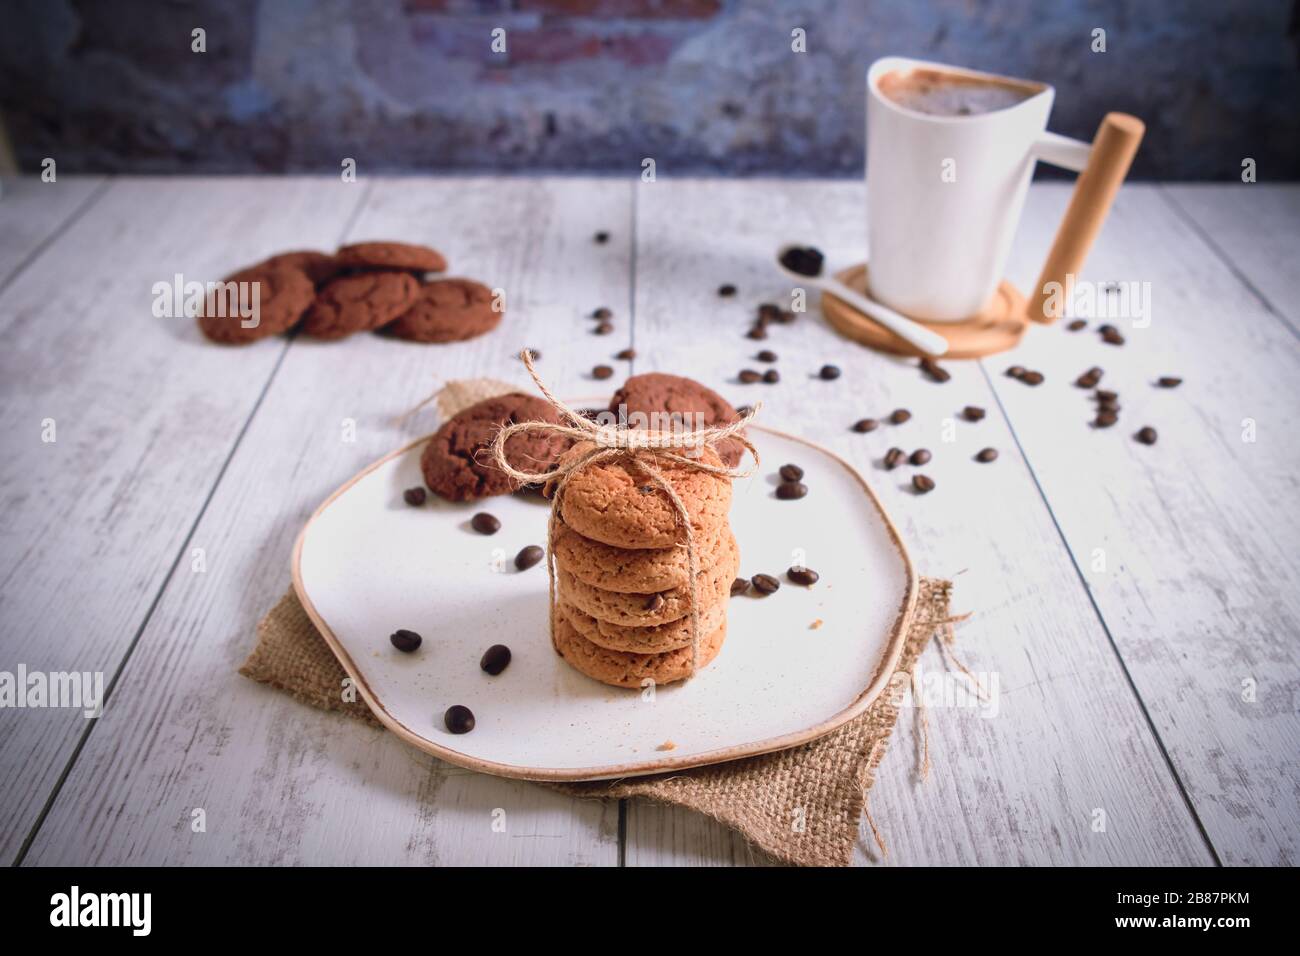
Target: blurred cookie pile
[{"x": 392, "y": 287}]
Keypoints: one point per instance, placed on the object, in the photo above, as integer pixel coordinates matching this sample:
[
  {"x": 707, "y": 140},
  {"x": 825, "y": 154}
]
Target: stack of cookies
[{"x": 622, "y": 570}]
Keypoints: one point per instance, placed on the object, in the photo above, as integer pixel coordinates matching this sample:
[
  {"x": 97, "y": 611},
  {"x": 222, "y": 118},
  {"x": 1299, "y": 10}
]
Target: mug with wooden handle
[{"x": 945, "y": 192}]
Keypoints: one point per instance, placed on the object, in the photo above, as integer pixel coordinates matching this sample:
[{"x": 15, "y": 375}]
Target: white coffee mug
[{"x": 945, "y": 193}]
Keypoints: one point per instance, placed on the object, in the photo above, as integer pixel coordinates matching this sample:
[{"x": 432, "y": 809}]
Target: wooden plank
[
  {"x": 1200, "y": 536},
  {"x": 281, "y": 783},
  {"x": 144, "y": 413},
  {"x": 1069, "y": 738},
  {"x": 33, "y": 212}
]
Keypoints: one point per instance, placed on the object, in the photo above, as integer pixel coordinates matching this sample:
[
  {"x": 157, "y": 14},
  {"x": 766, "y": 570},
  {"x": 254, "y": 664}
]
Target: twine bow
[{"x": 639, "y": 447}]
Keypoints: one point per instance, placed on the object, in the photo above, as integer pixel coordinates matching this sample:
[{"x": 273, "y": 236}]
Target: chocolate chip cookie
[
  {"x": 457, "y": 462},
  {"x": 659, "y": 392},
  {"x": 359, "y": 303},
  {"x": 448, "y": 310},
  {"x": 276, "y": 298},
  {"x": 391, "y": 255},
  {"x": 319, "y": 266}
]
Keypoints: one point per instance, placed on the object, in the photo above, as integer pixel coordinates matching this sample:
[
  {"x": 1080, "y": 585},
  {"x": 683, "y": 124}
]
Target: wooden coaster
[{"x": 998, "y": 328}]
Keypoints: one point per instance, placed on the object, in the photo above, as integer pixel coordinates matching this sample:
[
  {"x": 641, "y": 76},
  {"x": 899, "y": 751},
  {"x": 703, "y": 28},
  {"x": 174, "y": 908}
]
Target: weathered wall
[{"x": 700, "y": 85}]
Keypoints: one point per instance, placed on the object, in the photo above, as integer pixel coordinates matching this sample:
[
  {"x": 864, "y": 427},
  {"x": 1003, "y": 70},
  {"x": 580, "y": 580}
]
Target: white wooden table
[{"x": 1162, "y": 690}]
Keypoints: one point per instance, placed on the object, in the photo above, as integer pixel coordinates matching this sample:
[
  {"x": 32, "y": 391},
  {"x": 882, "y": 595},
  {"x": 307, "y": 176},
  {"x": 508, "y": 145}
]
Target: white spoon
[{"x": 931, "y": 343}]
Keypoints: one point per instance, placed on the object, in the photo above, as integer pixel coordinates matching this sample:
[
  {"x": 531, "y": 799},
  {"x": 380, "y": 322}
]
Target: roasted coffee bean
[
  {"x": 1112, "y": 337},
  {"x": 726, "y": 290},
  {"x": 972, "y": 413},
  {"x": 865, "y": 425},
  {"x": 1090, "y": 378},
  {"x": 1076, "y": 325},
  {"x": 934, "y": 370},
  {"x": 829, "y": 372},
  {"x": 459, "y": 719},
  {"x": 987, "y": 455},
  {"x": 922, "y": 484},
  {"x": 1106, "y": 328},
  {"x": 766, "y": 355},
  {"x": 771, "y": 376},
  {"x": 655, "y": 602},
  {"x": 414, "y": 496},
  {"x": 1146, "y": 435},
  {"x": 899, "y": 415},
  {"x": 748, "y": 376},
  {"x": 791, "y": 472},
  {"x": 529, "y": 556},
  {"x": 601, "y": 237},
  {"x": 485, "y": 523},
  {"x": 786, "y": 317},
  {"x": 806, "y": 260},
  {"x": 769, "y": 312},
  {"x": 1105, "y": 418},
  {"x": 495, "y": 659},
  {"x": 894, "y": 457},
  {"x": 805, "y": 576},
  {"x": 765, "y": 583},
  {"x": 405, "y": 641},
  {"x": 602, "y": 371},
  {"x": 919, "y": 457},
  {"x": 1106, "y": 395},
  {"x": 1016, "y": 371},
  {"x": 603, "y": 328},
  {"x": 790, "y": 490},
  {"x": 1032, "y": 378},
  {"x": 1169, "y": 381},
  {"x": 626, "y": 355},
  {"x": 757, "y": 333},
  {"x": 1108, "y": 404},
  {"x": 602, "y": 313},
  {"x": 739, "y": 586}
]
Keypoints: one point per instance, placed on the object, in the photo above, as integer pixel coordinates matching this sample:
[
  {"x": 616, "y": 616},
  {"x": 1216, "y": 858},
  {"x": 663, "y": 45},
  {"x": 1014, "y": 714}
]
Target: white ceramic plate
[{"x": 366, "y": 565}]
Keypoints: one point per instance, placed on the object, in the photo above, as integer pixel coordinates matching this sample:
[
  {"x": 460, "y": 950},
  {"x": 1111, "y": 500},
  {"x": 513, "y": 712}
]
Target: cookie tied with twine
[{"x": 642, "y": 449}]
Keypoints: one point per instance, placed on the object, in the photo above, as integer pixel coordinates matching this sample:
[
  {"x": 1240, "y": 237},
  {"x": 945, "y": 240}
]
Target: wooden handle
[{"x": 1112, "y": 153}]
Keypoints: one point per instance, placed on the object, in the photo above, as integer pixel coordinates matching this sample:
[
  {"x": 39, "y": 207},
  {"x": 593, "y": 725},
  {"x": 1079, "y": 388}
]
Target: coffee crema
[{"x": 939, "y": 93}]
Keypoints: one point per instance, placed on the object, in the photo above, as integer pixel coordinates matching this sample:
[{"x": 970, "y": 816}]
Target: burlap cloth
[{"x": 802, "y": 805}]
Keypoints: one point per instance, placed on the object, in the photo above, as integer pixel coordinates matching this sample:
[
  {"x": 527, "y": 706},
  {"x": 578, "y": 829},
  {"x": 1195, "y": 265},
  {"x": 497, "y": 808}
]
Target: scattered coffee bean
[
  {"x": 495, "y": 659},
  {"x": 601, "y": 237},
  {"x": 485, "y": 523},
  {"x": 791, "y": 472},
  {"x": 806, "y": 260},
  {"x": 1112, "y": 337},
  {"x": 766, "y": 356},
  {"x": 414, "y": 496},
  {"x": 602, "y": 371},
  {"x": 790, "y": 490},
  {"x": 626, "y": 355},
  {"x": 919, "y": 457},
  {"x": 987, "y": 455},
  {"x": 459, "y": 719},
  {"x": 829, "y": 373},
  {"x": 771, "y": 376},
  {"x": 1106, "y": 395},
  {"x": 405, "y": 641},
  {"x": 529, "y": 556},
  {"x": 972, "y": 413},
  {"x": 1032, "y": 378},
  {"x": 765, "y": 583},
  {"x": 1106, "y": 328},
  {"x": 739, "y": 586},
  {"x": 1146, "y": 435},
  {"x": 786, "y": 317},
  {"x": 1016, "y": 371},
  {"x": 805, "y": 576},
  {"x": 1090, "y": 378},
  {"x": 602, "y": 313},
  {"x": 1105, "y": 418},
  {"x": 769, "y": 312},
  {"x": 1108, "y": 404},
  {"x": 893, "y": 458},
  {"x": 934, "y": 370},
  {"x": 604, "y": 328},
  {"x": 1076, "y": 325},
  {"x": 655, "y": 602},
  {"x": 1169, "y": 381},
  {"x": 922, "y": 484},
  {"x": 899, "y": 415},
  {"x": 748, "y": 376},
  {"x": 865, "y": 425},
  {"x": 726, "y": 290},
  {"x": 757, "y": 332}
]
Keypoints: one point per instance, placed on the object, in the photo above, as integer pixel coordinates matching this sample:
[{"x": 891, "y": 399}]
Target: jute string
[{"x": 644, "y": 450}]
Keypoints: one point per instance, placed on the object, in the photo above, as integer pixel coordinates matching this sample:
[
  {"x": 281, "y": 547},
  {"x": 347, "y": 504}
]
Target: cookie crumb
[
  {"x": 816, "y": 625},
  {"x": 667, "y": 745}
]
